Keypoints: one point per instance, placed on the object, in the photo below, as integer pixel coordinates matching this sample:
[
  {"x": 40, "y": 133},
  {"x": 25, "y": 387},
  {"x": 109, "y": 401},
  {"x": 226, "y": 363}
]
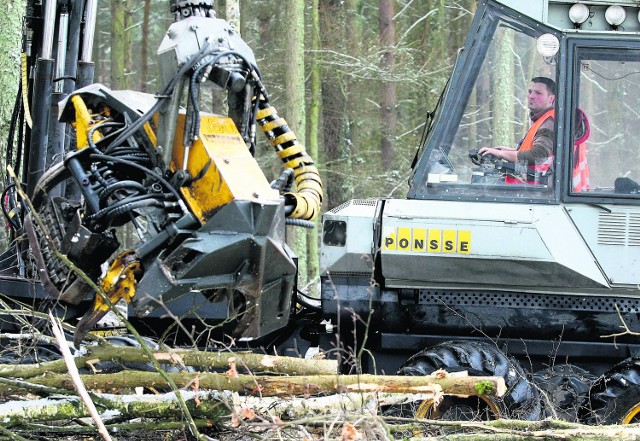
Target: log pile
[{"x": 217, "y": 388}]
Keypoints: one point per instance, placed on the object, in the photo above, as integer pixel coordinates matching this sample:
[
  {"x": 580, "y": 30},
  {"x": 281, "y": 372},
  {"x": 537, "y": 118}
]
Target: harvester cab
[{"x": 522, "y": 220}]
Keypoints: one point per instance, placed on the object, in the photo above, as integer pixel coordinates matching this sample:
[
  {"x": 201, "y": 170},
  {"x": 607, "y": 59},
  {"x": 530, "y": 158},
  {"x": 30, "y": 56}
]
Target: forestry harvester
[
  {"x": 487, "y": 257},
  {"x": 529, "y": 272}
]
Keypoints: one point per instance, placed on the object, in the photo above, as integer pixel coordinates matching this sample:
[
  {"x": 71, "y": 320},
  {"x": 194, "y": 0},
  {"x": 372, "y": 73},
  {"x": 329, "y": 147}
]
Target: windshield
[{"x": 485, "y": 150}]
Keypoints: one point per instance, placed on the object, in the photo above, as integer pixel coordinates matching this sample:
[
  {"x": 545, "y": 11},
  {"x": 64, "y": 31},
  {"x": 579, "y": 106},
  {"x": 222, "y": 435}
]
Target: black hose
[
  {"x": 194, "y": 128},
  {"x": 304, "y": 300},
  {"x": 166, "y": 93},
  {"x": 4, "y": 208},
  {"x": 299, "y": 222},
  {"x": 150, "y": 173},
  {"x": 117, "y": 207},
  {"x": 101, "y": 126},
  {"x": 120, "y": 185},
  {"x": 12, "y": 125}
]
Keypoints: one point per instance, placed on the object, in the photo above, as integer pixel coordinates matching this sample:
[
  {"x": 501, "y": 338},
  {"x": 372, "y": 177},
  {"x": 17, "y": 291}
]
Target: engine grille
[
  {"x": 528, "y": 301},
  {"x": 619, "y": 229},
  {"x": 370, "y": 202}
]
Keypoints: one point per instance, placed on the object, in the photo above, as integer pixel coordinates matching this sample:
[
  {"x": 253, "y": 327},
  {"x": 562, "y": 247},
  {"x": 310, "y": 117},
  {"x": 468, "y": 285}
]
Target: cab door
[{"x": 602, "y": 161}]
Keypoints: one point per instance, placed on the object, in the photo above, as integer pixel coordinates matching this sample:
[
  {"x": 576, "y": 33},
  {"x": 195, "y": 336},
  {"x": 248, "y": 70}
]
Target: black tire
[
  {"x": 521, "y": 401},
  {"x": 27, "y": 352},
  {"x": 564, "y": 389},
  {"x": 614, "y": 398}
]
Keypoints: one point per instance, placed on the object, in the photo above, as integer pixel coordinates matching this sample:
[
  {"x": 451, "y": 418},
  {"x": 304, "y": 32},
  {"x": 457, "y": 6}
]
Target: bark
[
  {"x": 315, "y": 103},
  {"x": 144, "y": 67},
  {"x": 11, "y": 12},
  {"x": 120, "y": 43},
  {"x": 252, "y": 362},
  {"x": 503, "y": 84},
  {"x": 334, "y": 110},
  {"x": 295, "y": 108},
  {"x": 272, "y": 385},
  {"x": 210, "y": 405},
  {"x": 388, "y": 98},
  {"x": 232, "y": 13},
  {"x": 298, "y": 408}
]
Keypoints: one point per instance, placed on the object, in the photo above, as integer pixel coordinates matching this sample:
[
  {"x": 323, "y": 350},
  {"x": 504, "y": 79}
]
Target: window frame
[{"x": 574, "y": 46}]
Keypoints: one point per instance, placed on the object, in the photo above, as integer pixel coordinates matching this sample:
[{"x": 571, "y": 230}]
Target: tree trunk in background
[
  {"x": 11, "y": 12},
  {"x": 333, "y": 107},
  {"x": 315, "y": 102},
  {"x": 232, "y": 13},
  {"x": 120, "y": 43},
  {"x": 388, "y": 99},
  {"x": 503, "y": 89},
  {"x": 353, "y": 107},
  {"x": 120, "y": 57},
  {"x": 144, "y": 68},
  {"x": 295, "y": 107}
]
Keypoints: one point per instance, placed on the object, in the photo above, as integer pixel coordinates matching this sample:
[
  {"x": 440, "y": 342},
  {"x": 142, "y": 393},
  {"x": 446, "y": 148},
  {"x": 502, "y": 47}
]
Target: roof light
[
  {"x": 579, "y": 13},
  {"x": 615, "y": 15}
]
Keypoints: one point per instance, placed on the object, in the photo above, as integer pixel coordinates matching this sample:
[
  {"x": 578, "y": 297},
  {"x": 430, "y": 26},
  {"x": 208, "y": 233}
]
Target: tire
[
  {"x": 614, "y": 398},
  {"x": 564, "y": 389},
  {"x": 521, "y": 401}
]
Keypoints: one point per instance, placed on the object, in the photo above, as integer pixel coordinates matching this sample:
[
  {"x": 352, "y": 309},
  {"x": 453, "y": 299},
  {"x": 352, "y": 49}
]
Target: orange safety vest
[
  {"x": 527, "y": 144},
  {"x": 580, "y": 178}
]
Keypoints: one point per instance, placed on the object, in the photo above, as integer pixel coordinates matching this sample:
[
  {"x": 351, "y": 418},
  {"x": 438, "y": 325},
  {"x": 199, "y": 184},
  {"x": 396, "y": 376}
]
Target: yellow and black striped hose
[{"x": 307, "y": 200}]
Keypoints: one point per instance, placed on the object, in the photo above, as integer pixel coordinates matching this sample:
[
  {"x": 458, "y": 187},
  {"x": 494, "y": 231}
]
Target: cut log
[
  {"x": 277, "y": 385},
  {"x": 245, "y": 362}
]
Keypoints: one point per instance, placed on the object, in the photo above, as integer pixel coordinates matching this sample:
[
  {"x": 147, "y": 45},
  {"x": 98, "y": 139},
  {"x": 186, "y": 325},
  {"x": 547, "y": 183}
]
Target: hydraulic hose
[{"x": 307, "y": 200}]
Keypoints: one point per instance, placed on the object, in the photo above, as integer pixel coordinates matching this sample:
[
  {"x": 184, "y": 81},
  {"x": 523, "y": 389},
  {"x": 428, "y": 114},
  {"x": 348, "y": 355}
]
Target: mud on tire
[{"x": 522, "y": 400}]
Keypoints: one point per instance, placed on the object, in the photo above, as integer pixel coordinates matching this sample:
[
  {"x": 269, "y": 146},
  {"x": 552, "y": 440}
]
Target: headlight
[
  {"x": 615, "y": 15},
  {"x": 578, "y": 13}
]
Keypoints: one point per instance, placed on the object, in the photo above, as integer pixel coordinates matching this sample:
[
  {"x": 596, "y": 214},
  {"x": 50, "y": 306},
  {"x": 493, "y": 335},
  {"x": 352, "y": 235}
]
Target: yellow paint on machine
[
  {"x": 427, "y": 240},
  {"x": 221, "y": 166}
]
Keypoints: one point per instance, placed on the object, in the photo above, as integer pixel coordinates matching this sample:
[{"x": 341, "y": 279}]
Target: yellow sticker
[
  {"x": 435, "y": 241},
  {"x": 404, "y": 239},
  {"x": 419, "y": 242},
  {"x": 389, "y": 242},
  {"x": 449, "y": 241},
  {"x": 423, "y": 240},
  {"x": 464, "y": 242}
]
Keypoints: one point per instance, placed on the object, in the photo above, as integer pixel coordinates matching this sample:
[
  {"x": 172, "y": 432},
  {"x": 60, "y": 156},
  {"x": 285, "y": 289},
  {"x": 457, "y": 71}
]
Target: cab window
[{"x": 605, "y": 159}]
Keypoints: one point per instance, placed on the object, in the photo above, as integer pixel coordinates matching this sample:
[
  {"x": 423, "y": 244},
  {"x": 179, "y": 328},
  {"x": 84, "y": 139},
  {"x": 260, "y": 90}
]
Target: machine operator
[{"x": 536, "y": 149}]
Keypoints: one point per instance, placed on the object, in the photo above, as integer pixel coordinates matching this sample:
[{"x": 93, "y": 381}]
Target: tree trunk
[
  {"x": 295, "y": 108},
  {"x": 315, "y": 102},
  {"x": 232, "y": 13},
  {"x": 144, "y": 68},
  {"x": 388, "y": 99},
  {"x": 503, "y": 87},
  {"x": 120, "y": 43},
  {"x": 11, "y": 12},
  {"x": 334, "y": 113}
]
